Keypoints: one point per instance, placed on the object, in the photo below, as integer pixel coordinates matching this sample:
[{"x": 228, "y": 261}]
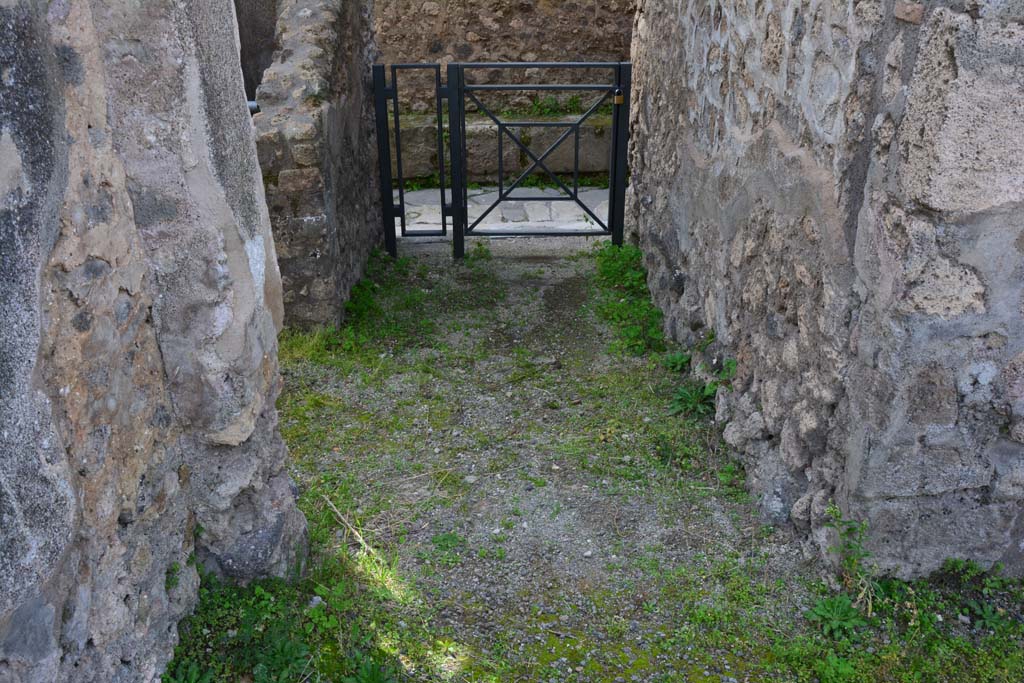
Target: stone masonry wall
[
  {"x": 140, "y": 304},
  {"x": 411, "y": 31},
  {"x": 318, "y": 153},
  {"x": 836, "y": 189}
]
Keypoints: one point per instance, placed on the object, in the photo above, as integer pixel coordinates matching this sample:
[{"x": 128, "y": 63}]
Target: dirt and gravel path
[
  {"x": 497, "y": 494},
  {"x": 536, "y": 512}
]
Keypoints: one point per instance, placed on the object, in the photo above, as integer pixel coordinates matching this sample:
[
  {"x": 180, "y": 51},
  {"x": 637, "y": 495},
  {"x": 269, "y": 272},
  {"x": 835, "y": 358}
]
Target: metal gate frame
[{"x": 457, "y": 92}]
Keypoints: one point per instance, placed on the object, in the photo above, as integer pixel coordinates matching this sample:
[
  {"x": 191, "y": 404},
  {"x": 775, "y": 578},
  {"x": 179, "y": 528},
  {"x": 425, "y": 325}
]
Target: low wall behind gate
[{"x": 500, "y": 31}]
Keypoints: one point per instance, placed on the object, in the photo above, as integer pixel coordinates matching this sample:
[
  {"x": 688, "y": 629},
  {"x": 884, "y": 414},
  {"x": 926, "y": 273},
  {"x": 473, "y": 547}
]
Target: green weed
[
  {"x": 172, "y": 577},
  {"x": 694, "y": 398},
  {"x": 625, "y": 302},
  {"x": 857, "y": 577},
  {"x": 834, "y": 669},
  {"x": 678, "y": 361},
  {"x": 836, "y": 616}
]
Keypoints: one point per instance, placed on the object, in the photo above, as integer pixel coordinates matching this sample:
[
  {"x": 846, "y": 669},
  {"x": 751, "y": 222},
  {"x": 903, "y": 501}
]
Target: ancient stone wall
[
  {"x": 318, "y": 153},
  {"x": 836, "y": 191},
  {"x": 140, "y": 303},
  {"x": 411, "y": 31}
]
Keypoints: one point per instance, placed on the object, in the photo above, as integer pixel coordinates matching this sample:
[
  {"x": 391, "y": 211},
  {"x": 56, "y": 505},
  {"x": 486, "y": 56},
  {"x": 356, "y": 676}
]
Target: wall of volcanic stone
[
  {"x": 834, "y": 190},
  {"x": 140, "y": 304},
  {"x": 317, "y": 150},
  {"x": 500, "y": 31}
]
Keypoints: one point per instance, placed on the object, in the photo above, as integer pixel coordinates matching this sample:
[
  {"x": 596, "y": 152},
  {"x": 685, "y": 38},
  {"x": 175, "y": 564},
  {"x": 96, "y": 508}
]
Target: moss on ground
[{"x": 496, "y": 491}]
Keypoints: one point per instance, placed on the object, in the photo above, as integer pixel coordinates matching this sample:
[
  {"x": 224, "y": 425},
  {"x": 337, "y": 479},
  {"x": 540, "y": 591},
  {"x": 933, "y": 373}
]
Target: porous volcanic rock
[
  {"x": 836, "y": 191},
  {"x": 139, "y": 308}
]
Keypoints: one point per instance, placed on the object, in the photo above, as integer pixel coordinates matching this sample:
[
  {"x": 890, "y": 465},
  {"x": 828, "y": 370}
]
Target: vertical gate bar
[
  {"x": 455, "y": 130},
  {"x": 501, "y": 160},
  {"x": 440, "y": 144},
  {"x": 620, "y": 139},
  {"x": 464, "y": 159},
  {"x": 576, "y": 163},
  {"x": 398, "y": 146},
  {"x": 387, "y": 197}
]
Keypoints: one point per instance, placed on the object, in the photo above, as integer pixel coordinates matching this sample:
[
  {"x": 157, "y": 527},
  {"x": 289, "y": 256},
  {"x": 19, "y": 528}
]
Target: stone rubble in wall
[
  {"x": 317, "y": 153},
  {"x": 800, "y": 188}
]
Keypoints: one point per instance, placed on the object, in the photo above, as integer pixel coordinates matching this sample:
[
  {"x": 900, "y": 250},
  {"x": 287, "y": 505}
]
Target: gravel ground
[{"x": 548, "y": 517}]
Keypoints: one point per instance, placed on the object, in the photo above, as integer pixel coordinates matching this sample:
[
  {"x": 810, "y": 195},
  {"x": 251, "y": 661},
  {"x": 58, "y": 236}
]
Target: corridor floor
[
  {"x": 497, "y": 491},
  {"x": 530, "y": 508}
]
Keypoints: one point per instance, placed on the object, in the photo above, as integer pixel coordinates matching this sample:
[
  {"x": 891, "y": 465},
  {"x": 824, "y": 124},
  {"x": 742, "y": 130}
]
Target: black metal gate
[{"x": 453, "y": 94}]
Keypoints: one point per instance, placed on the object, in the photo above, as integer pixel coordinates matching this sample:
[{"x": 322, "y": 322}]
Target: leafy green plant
[
  {"x": 853, "y": 556},
  {"x": 964, "y": 570},
  {"x": 694, "y": 398},
  {"x": 187, "y": 672},
  {"x": 447, "y": 548},
  {"x": 706, "y": 341},
  {"x": 836, "y": 616},
  {"x": 282, "y": 657},
  {"x": 730, "y": 475},
  {"x": 172, "y": 577},
  {"x": 834, "y": 669},
  {"x": 678, "y": 361},
  {"x": 371, "y": 671},
  {"x": 985, "y": 615},
  {"x": 479, "y": 252},
  {"x": 728, "y": 371},
  {"x": 544, "y": 180}
]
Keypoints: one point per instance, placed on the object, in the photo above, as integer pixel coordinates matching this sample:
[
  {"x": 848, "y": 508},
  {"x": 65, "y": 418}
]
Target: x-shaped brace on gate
[{"x": 538, "y": 162}]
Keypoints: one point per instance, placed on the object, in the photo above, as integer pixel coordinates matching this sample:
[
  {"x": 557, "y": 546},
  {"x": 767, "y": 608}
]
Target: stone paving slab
[{"x": 423, "y": 210}]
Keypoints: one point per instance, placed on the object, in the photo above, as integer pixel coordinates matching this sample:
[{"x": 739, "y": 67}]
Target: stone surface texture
[
  {"x": 420, "y": 155},
  {"x": 140, "y": 304},
  {"x": 317, "y": 150},
  {"x": 444, "y": 31},
  {"x": 836, "y": 190}
]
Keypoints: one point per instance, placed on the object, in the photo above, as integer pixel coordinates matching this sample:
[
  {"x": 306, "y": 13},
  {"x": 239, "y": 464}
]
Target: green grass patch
[{"x": 625, "y": 302}]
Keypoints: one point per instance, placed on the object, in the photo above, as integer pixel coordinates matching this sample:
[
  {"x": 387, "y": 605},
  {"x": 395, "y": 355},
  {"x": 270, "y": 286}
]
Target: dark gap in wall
[{"x": 257, "y": 22}]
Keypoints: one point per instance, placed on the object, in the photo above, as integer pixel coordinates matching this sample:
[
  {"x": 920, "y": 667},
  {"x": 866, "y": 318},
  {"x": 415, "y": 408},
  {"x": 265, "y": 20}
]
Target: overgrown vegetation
[
  {"x": 391, "y": 515},
  {"x": 624, "y": 300}
]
